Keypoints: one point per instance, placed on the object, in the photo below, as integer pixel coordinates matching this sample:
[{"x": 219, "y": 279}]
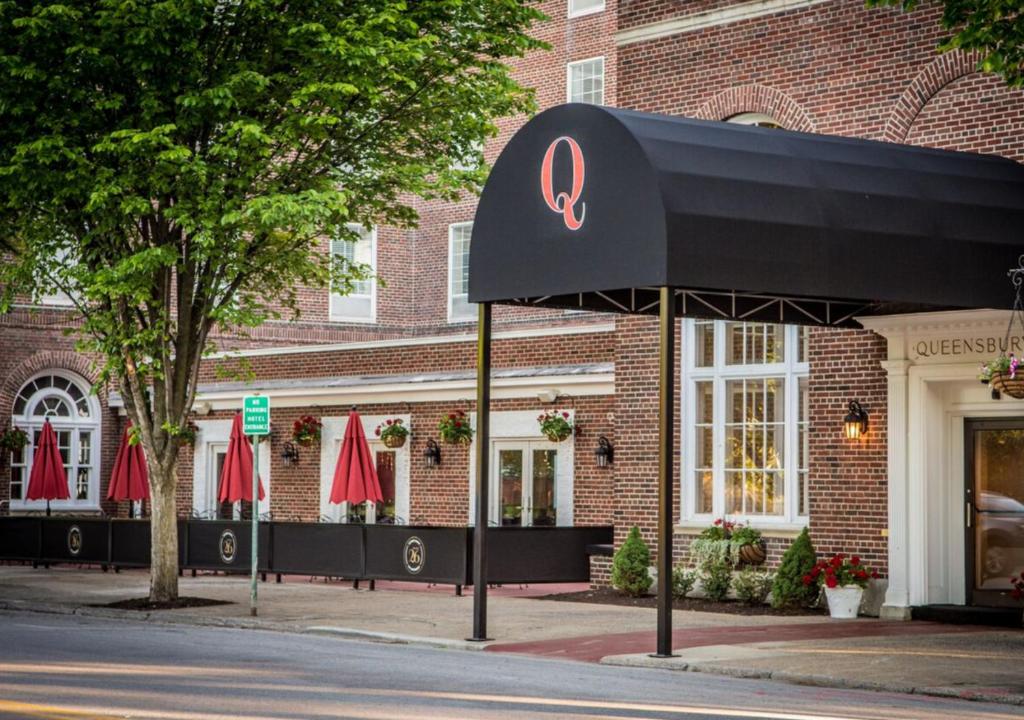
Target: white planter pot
[{"x": 843, "y": 602}]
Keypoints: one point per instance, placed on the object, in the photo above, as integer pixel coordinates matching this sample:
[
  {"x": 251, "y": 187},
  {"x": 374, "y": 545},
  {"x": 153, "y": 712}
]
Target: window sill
[{"x": 773, "y": 530}]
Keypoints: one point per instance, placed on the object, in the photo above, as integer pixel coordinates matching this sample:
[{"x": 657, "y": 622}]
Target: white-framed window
[
  {"x": 361, "y": 304},
  {"x": 585, "y": 7},
  {"x": 459, "y": 307},
  {"x": 64, "y": 400},
  {"x": 585, "y": 81},
  {"x": 745, "y": 422},
  {"x": 532, "y": 479},
  {"x": 57, "y": 298}
]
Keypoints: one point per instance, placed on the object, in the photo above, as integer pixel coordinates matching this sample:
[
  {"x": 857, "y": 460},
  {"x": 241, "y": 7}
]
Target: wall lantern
[
  {"x": 855, "y": 424},
  {"x": 432, "y": 454},
  {"x": 605, "y": 453},
  {"x": 290, "y": 454}
]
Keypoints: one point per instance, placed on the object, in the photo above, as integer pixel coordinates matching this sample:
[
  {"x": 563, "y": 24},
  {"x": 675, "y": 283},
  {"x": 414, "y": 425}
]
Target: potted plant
[
  {"x": 454, "y": 429},
  {"x": 187, "y": 434},
  {"x": 844, "y": 579},
  {"x": 392, "y": 432},
  {"x": 1001, "y": 374},
  {"x": 14, "y": 439},
  {"x": 306, "y": 430},
  {"x": 555, "y": 425}
]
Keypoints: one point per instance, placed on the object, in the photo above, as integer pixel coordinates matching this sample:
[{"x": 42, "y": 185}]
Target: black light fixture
[
  {"x": 290, "y": 454},
  {"x": 605, "y": 453},
  {"x": 855, "y": 424},
  {"x": 432, "y": 454}
]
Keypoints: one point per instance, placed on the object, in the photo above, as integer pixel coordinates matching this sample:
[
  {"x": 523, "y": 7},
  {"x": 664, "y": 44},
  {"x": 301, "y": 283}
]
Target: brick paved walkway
[{"x": 594, "y": 647}]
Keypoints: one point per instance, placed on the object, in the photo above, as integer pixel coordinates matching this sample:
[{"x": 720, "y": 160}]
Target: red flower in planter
[
  {"x": 855, "y": 560},
  {"x": 831, "y": 581},
  {"x": 808, "y": 579}
]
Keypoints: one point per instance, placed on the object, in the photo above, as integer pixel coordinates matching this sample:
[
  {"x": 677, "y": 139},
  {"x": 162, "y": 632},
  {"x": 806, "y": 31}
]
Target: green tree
[
  {"x": 630, "y": 565},
  {"x": 788, "y": 588},
  {"x": 993, "y": 28},
  {"x": 175, "y": 167}
]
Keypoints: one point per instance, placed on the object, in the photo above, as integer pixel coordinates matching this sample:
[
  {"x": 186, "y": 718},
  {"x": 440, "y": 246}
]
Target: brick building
[{"x": 760, "y": 406}]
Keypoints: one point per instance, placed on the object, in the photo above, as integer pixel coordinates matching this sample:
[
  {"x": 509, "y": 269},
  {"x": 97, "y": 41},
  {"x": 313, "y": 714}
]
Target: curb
[
  {"x": 825, "y": 681},
  {"x": 238, "y": 624},
  {"x": 396, "y": 638}
]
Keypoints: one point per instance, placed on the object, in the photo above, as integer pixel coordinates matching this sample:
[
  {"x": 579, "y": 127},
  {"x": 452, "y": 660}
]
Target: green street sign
[{"x": 256, "y": 415}]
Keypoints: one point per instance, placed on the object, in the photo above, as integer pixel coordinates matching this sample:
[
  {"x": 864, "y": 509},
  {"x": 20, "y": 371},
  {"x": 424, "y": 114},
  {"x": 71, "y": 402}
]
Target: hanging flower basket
[
  {"x": 556, "y": 426},
  {"x": 753, "y": 553},
  {"x": 455, "y": 429},
  {"x": 14, "y": 439},
  {"x": 306, "y": 430},
  {"x": 1007, "y": 384},
  {"x": 392, "y": 433}
]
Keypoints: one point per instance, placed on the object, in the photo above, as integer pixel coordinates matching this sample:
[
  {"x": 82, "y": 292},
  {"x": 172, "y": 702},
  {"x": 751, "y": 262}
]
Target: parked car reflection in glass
[{"x": 1000, "y": 540}]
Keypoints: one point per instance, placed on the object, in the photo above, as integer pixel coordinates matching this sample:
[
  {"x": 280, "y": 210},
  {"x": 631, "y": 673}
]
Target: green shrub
[
  {"x": 788, "y": 588},
  {"x": 683, "y": 581},
  {"x": 706, "y": 551},
  {"x": 752, "y": 586},
  {"x": 630, "y": 565},
  {"x": 716, "y": 577}
]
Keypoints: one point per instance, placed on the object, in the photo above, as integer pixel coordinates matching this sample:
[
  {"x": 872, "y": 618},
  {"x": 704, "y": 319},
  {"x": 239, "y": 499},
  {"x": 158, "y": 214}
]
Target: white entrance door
[{"x": 523, "y": 485}]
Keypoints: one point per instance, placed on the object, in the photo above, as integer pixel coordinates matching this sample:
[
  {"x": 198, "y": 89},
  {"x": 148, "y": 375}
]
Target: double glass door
[
  {"x": 524, "y": 491},
  {"x": 994, "y": 499}
]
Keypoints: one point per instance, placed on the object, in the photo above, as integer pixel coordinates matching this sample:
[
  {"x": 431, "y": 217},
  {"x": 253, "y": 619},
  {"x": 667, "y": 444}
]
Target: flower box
[
  {"x": 844, "y": 601},
  {"x": 392, "y": 433}
]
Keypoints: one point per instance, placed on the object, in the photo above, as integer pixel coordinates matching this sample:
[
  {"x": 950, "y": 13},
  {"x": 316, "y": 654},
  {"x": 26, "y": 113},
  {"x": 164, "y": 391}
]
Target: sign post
[{"x": 255, "y": 422}]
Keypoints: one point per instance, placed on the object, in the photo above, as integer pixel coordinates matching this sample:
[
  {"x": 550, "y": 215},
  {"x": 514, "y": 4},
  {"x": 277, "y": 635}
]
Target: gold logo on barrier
[
  {"x": 74, "y": 540},
  {"x": 228, "y": 547},
  {"x": 414, "y": 555}
]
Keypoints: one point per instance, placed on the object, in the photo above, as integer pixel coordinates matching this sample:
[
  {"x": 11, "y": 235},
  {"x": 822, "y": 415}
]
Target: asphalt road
[{"x": 57, "y": 666}]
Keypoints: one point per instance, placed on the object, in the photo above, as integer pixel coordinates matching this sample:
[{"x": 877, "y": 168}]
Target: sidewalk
[{"x": 947, "y": 660}]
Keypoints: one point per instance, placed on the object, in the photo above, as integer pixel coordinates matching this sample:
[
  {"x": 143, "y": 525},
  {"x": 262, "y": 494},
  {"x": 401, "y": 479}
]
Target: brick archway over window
[
  {"x": 760, "y": 99},
  {"x": 40, "y": 362},
  {"x": 939, "y": 73}
]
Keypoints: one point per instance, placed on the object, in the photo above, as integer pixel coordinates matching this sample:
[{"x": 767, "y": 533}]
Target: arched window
[
  {"x": 758, "y": 119},
  {"x": 64, "y": 400}
]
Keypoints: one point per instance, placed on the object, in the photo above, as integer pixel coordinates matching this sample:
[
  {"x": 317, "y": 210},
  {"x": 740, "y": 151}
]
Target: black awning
[{"x": 595, "y": 208}]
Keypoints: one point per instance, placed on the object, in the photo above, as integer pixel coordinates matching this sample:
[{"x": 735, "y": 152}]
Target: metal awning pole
[
  {"x": 483, "y": 442},
  {"x": 666, "y": 436}
]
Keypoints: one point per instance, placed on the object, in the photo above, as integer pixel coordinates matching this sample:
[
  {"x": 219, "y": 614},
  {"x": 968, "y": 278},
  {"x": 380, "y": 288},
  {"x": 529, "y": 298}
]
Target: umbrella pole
[{"x": 47, "y": 508}]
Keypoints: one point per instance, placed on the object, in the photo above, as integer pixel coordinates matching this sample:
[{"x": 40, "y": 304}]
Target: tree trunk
[{"x": 163, "y": 573}]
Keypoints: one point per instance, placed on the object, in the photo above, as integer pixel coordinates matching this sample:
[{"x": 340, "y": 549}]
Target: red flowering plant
[
  {"x": 392, "y": 432},
  {"x": 455, "y": 428},
  {"x": 840, "y": 571},
  {"x": 306, "y": 430},
  {"x": 555, "y": 425},
  {"x": 1018, "y": 587}
]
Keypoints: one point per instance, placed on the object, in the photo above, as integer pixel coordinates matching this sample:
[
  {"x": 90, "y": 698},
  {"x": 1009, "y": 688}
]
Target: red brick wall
[
  {"x": 438, "y": 495},
  {"x": 848, "y": 478}
]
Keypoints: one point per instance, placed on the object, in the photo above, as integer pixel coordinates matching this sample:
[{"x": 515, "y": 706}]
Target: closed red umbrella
[
  {"x": 129, "y": 479},
  {"x": 236, "y": 477},
  {"x": 355, "y": 478},
  {"x": 48, "y": 480}
]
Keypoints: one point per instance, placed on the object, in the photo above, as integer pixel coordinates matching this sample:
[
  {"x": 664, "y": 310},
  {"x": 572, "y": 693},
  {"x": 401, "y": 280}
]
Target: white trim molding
[
  {"x": 710, "y": 18},
  {"x": 524, "y": 334},
  {"x": 214, "y": 434}
]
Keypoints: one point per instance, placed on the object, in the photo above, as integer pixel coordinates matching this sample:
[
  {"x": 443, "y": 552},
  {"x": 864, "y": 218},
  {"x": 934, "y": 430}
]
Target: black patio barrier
[{"x": 357, "y": 552}]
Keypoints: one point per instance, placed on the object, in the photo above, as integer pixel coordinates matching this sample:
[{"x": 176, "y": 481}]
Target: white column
[{"x": 897, "y": 596}]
